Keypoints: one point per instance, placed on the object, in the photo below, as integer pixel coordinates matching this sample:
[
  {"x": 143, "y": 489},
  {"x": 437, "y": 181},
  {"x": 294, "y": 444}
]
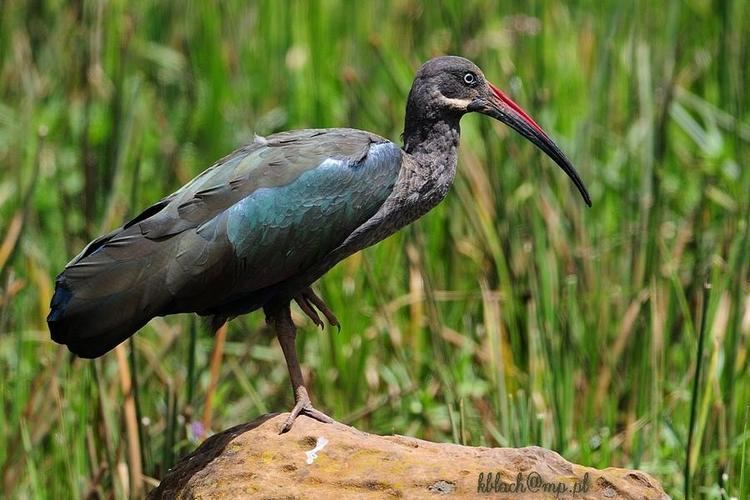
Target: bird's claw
[
  {"x": 309, "y": 310},
  {"x": 304, "y": 406},
  {"x": 308, "y": 301}
]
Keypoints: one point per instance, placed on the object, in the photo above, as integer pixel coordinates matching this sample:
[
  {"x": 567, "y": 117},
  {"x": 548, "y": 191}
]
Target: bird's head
[{"x": 454, "y": 86}]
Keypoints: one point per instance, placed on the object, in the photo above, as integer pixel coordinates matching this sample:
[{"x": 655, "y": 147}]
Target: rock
[{"x": 316, "y": 460}]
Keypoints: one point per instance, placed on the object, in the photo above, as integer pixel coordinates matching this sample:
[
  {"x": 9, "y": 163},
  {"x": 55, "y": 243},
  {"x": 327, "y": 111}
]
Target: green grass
[{"x": 511, "y": 315}]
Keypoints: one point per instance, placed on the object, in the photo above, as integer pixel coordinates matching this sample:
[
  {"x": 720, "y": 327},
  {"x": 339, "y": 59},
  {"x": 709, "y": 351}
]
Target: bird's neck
[
  {"x": 432, "y": 144},
  {"x": 431, "y": 137}
]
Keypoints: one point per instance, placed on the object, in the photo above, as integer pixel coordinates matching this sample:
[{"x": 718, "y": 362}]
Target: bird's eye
[{"x": 470, "y": 78}]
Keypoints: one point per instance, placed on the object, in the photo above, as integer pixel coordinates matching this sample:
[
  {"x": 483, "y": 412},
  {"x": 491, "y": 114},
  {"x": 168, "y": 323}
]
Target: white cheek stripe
[{"x": 461, "y": 104}]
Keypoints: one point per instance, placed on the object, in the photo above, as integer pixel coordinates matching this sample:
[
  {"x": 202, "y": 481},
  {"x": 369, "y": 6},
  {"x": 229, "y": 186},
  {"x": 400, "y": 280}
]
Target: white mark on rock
[{"x": 319, "y": 445}]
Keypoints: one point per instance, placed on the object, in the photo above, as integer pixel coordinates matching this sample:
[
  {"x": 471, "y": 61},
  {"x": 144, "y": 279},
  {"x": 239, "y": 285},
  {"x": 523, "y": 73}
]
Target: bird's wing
[
  {"x": 314, "y": 192},
  {"x": 254, "y": 219},
  {"x": 272, "y": 162}
]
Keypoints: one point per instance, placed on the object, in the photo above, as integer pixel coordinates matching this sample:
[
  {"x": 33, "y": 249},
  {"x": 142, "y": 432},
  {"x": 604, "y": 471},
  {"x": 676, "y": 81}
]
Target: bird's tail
[
  {"x": 90, "y": 328},
  {"x": 102, "y": 298}
]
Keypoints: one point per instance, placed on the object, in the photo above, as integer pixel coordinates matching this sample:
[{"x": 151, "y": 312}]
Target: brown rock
[{"x": 253, "y": 461}]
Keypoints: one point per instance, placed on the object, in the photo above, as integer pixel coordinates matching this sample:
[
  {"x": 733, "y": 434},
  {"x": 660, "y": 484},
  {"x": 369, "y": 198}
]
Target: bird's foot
[
  {"x": 304, "y": 406},
  {"x": 308, "y": 301}
]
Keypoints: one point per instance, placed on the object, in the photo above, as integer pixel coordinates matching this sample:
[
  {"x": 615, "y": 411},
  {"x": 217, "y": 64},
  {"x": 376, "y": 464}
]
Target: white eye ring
[{"x": 470, "y": 79}]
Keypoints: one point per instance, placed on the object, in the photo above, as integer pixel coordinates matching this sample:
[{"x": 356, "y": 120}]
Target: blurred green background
[{"x": 511, "y": 315}]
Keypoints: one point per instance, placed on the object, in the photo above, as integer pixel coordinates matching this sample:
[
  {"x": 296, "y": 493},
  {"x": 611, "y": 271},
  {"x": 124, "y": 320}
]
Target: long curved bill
[{"x": 502, "y": 108}]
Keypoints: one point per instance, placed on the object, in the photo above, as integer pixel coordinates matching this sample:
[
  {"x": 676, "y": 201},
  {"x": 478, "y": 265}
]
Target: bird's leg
[
  {"x": 281, "y": 320},
  {"x": 308, "y": 301}
]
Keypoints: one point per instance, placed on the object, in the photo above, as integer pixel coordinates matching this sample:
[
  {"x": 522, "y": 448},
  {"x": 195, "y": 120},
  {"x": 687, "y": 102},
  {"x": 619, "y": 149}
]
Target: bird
[{"x": 258, "y": 228}]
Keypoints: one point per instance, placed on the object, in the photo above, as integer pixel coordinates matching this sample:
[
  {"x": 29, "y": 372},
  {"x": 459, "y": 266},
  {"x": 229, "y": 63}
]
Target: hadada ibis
[{"x": 260, "y": 226}]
